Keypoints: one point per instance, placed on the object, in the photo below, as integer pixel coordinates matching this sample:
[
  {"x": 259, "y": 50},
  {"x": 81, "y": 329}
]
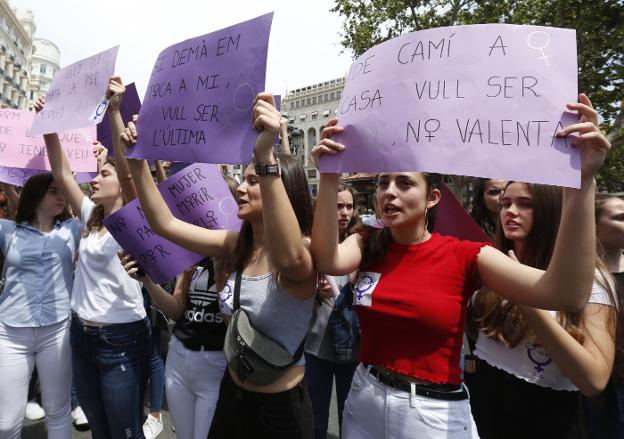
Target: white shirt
[
  {"x": 103, "y": 292},
  {"x": 529, "y": 360}
]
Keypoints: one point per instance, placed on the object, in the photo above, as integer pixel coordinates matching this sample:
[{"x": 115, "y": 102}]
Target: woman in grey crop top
[{"x": 279, "y": 278}]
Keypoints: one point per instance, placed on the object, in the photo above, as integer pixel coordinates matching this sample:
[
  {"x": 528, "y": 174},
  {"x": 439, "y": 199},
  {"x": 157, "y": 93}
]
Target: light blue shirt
[{"x": 39, "y": 273}]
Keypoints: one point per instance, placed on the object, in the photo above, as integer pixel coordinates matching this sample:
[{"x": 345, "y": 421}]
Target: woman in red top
[{"x": 414, "y": 287}]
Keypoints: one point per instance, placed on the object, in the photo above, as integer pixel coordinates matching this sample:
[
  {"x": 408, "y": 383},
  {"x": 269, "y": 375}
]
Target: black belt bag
[
  {"x": 253, "y": 356},
  {"x": 447, "y": 392}
]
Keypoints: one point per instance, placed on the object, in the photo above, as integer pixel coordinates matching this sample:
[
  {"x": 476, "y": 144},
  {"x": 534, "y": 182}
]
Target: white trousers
[
  {"x": 20, "y": 350},
  {"x": 376, "y": 411},
  {"x": 192, "y": 380}
]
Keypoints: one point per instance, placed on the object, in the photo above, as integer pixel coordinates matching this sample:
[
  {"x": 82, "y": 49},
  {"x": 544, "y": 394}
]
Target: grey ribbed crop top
[{"x": 271, "y": 309}]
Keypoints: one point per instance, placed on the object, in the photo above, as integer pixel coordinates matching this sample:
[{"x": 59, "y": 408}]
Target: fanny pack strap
[{"x": 237, "y": 286}]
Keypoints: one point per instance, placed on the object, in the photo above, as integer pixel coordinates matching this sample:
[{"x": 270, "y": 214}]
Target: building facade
[
  {"x": 16, "y": 33},
  {"x": 308, "y": 109},
  {"x": 45, "y": 62}
]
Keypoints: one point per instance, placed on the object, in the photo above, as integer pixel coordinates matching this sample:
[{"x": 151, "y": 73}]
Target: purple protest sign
[
  {"x": 20, "y": 149},
  {"x": 17, "y": 176},
  {"x": 161, "y": 259},
  {"x": 130, "y": 105},
  {"x": 198, "y": 103},
  {"x": 453, "y": 220},
  {"x": 76, "y": 97},
  {"x": 482, "y": 100},
  {"x": 197, "y": 194}
]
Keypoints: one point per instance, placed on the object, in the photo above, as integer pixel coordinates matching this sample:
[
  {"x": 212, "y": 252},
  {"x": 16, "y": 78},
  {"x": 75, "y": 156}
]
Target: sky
[{"x": 304, "y": 47}]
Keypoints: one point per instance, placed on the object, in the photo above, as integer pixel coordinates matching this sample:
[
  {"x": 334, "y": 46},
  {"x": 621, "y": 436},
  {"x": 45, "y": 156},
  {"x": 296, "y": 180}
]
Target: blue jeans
[
  {"x": 319, "y": 375},
  {"x": 157, "y": 373},
  {"x": 111, "y": 368}
]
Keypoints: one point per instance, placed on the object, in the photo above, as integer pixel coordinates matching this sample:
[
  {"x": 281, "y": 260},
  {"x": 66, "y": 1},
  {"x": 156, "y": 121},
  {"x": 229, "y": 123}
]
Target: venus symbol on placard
[
  {"x": 242, "y": 100},
  {"x": 539, "y": 37}
]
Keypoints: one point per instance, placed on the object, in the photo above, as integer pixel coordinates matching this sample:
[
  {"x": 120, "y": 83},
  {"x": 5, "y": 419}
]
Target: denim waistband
[{"x": 95, "y": 326}]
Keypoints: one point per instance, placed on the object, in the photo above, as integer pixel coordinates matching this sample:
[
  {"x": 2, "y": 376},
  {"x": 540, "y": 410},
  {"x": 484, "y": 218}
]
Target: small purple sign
[
  {"x": 199, "y": 100},
  {"x": 76, "y": 98},
  {"x": 17, "y": 176},
  {"x": 130, "y": 105},
  {"x": 482, "y": 100},
  {"x": 198, "y": 195}
]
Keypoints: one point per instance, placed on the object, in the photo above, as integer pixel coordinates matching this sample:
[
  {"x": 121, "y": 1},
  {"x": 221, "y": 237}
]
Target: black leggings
[
  {"x": 506, "y": 407},
  {"x": 243, "y": 414}
]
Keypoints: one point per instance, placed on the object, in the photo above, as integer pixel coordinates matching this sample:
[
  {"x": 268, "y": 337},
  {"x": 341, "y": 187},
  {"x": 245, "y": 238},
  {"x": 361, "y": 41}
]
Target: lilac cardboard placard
[
  {"x": 199, "y": 100},
  {"x": 17, "y": 176},
  {"x": 197, "y": 194},
  {"x": 76, "y": 97},
  {"x": 130, "y": 105},
  {"x": 21, "y": 149},
  {"x": 482, "y": 100}
]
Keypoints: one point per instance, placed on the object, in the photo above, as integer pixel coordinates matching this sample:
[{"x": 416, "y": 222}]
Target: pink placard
[
  {"x": 20, "y": 149},
  {"x": 76, "y": 97},
  {"x": 482, "y": 100}
]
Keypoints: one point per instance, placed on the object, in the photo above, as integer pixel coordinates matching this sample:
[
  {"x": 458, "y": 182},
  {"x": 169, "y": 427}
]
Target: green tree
[{"x": 599, "y": 30}]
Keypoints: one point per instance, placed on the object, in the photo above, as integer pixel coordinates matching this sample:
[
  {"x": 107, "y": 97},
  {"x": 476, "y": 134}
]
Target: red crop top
[{"x": 412, "y": 307}]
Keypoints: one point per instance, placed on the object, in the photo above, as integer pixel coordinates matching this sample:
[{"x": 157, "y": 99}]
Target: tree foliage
[{"x": 599, "y": 31}]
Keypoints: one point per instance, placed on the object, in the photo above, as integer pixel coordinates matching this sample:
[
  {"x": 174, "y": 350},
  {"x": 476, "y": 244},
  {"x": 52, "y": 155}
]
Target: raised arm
[
  {"x": 61, "y": 170},
  {"x": 216, "y": 243},
  {"x": 172, "y": 305},
  {"x": 330, "y": 256},
  {"x": 115, "y": 95},
  {"x": 567, "y": 282},
  {"x": 289, "y": 254}
]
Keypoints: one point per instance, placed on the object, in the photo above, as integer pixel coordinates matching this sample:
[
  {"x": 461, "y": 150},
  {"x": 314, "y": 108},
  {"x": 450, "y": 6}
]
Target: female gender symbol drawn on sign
[
  {"x": 100, "y": 110},
  {"x": 364, "y": 284},
  {"x": 237, "y": 98},
  {"x": 225, "y": 294},
  {"x": 543, "y": 38},
  {"x": 229, "y": 208}
]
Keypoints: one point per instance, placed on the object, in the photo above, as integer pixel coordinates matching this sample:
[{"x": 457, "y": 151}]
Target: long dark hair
[
  {"x": 31, "y": 195},
  {"x": 503, "y": 321},
  {"x": 479, "y": 211},
  {"x": 376, "y": 241},
  {"x": 296, "y": 185},
  {"x": 354, "y": 218}
]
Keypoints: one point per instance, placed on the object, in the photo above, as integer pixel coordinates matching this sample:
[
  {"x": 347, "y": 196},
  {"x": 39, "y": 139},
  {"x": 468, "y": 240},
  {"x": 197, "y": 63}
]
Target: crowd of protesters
[{"x": 383, "y": 311}]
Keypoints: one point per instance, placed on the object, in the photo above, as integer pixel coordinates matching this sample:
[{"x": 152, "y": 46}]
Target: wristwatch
[{"x": 269, "y": 169}]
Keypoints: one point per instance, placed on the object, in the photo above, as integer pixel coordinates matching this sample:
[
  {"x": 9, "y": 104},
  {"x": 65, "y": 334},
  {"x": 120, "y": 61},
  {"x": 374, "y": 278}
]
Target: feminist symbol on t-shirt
[
  {"x": 364, "y": 284},
  {"x": 225, "y": 294},
  {"x": 536, "y": 352}
]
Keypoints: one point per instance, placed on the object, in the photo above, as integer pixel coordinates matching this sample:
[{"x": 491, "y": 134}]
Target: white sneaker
[
  {"x": 79, "y": 418},
  {"x": 34, "y": 411},
  {"x": 152, "y": 427}
]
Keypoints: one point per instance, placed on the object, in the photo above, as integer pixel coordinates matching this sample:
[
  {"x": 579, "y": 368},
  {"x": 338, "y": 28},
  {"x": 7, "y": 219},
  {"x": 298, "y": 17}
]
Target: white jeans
[
  {"x": 376, "y": 411},
  {"x": 48, "y": 348},
  {"x": 192, "y": 380}
]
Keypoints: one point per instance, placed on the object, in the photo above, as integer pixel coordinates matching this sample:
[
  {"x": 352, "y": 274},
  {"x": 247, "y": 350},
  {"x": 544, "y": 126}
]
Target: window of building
[
  {"x": 297, "y": 104},
  {"x": 326, "y": 97},
  {"x": 315, "y": 115},
  {"x": 311, "y": 173},
  {"x": 292, "y": 119},
  {"x": 302, "y": 118},
  {"x": 292, "y": 105},
  {"x": 309, "y": 101},
  {"x": 43, "y": 69},
  {"x": 338, "y": 95},
  {"x": 312, "y": 188},
  {"x": 314, "y": 99},
  {"x": 333, "y": 96},
  {"x": 326, "y": 113},
  {"x": 32, "y": 95}
]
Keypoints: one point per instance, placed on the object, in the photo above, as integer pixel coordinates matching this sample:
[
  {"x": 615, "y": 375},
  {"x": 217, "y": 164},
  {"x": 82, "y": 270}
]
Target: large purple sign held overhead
[
  {"x": 198, "y": 103},
  {"x": 76, "y": 98},
  {"x": 482, "y": 100},
  {"x": 198, "y": 195}
]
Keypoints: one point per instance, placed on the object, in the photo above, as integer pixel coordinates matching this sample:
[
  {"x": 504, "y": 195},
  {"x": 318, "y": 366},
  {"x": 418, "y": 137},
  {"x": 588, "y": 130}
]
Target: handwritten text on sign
[
  {"x": 20, "y": 149},
  {"x": 198, "y": 195},
  {"x": 76, "y": 96},
  {"x": 482, "y": 100},
  {"x": 198, "y": 103}
]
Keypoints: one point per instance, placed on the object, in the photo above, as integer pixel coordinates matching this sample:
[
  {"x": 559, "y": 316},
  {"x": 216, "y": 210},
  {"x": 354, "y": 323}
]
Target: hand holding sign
[
  {"x": 326, "y": 145},
  {"x": 266, "y": 120},
  {"x": 115, "y": 93},
  {"x": 594, "y": 145}
]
